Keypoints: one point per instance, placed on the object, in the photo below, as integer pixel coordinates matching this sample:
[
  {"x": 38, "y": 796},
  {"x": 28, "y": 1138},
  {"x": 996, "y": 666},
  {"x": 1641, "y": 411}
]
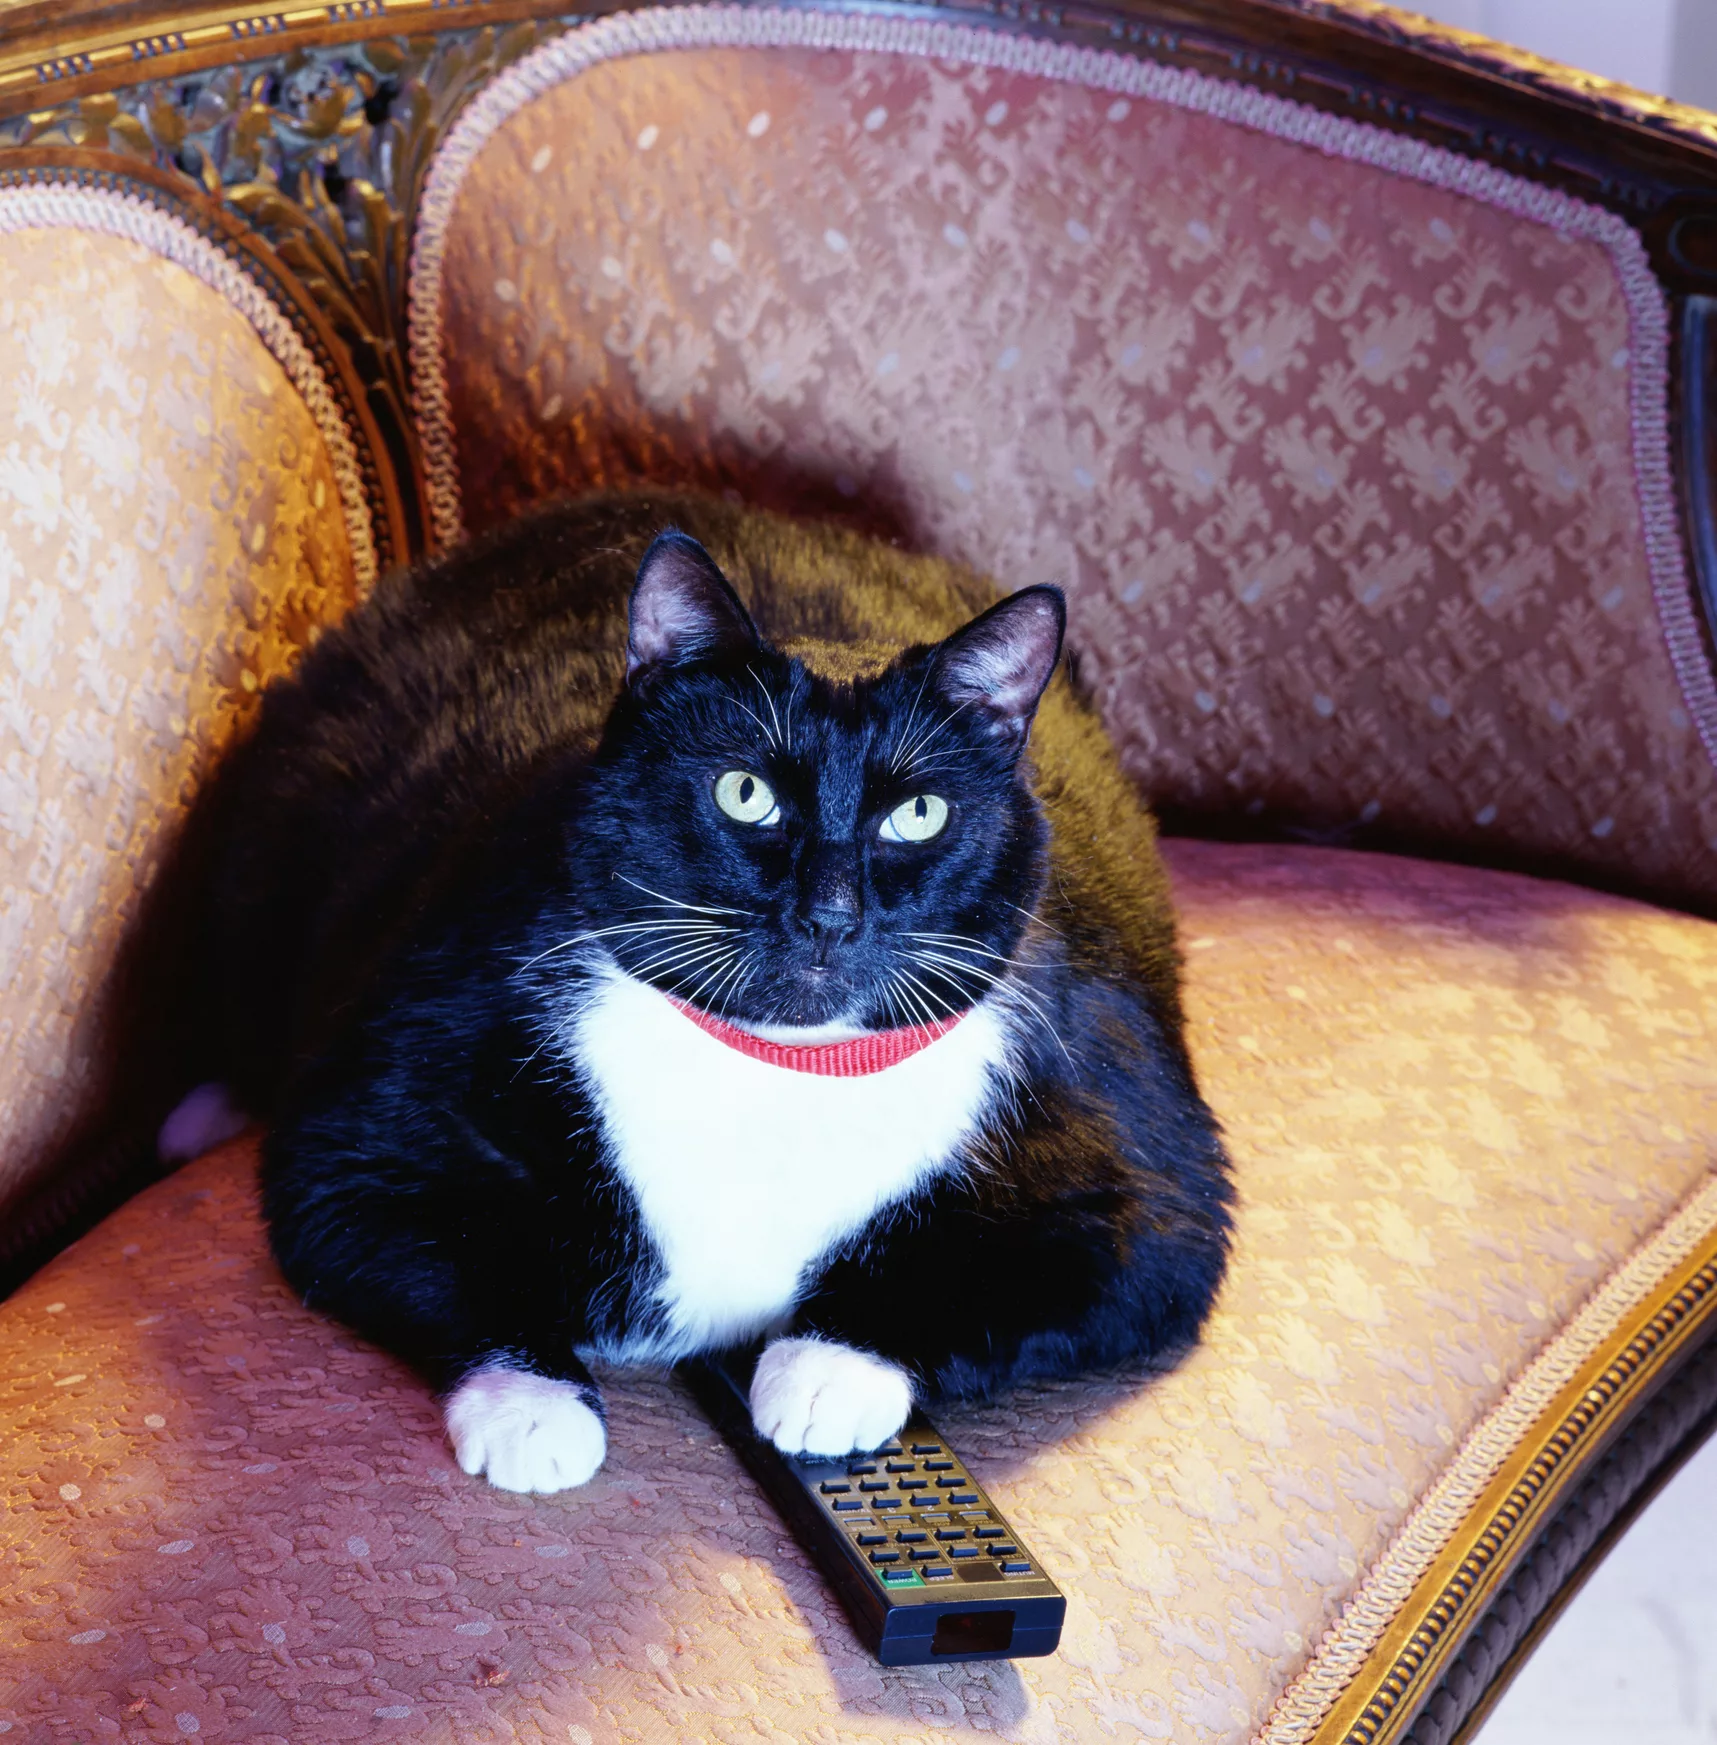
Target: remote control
[{"x": 922, "y": 1560}]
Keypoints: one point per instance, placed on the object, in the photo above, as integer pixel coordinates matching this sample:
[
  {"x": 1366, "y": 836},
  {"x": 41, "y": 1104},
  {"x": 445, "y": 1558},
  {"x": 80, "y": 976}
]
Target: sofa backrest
[{"x": 1354, "y": 457}]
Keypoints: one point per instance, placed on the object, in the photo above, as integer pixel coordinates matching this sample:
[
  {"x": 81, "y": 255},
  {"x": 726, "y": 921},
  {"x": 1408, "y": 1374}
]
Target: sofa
[{"x": 1352, "y": 375}]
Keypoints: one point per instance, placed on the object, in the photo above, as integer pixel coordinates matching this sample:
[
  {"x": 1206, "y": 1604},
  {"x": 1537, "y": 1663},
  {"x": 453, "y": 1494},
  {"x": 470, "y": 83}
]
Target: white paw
[
  {"x": 810, "y": 1396},
  {"x": 526, "y": 1432}
]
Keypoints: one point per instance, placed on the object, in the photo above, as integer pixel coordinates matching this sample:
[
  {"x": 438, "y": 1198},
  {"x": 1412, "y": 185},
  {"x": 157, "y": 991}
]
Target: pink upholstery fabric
[
  {"x": 1456, "y": 1102},
  {"x": 1337, "y": 466},
  {"x": 171, "y": 537}
]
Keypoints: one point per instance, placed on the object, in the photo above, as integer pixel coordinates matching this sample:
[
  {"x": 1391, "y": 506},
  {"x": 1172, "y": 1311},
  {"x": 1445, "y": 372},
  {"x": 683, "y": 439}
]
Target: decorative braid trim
[
  {"x": 683, "y": 27},
  {"x": 61, "y": 205},
  {"x": 1441, "y": 1511}
]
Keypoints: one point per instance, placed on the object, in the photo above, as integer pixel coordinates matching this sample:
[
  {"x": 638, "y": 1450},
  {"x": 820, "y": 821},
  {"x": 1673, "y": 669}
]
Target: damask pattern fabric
[
  {"x": 170, "y": 537},
  {"x": 1456, "y": 1102},
  {"x": 1337, "y": 466}
]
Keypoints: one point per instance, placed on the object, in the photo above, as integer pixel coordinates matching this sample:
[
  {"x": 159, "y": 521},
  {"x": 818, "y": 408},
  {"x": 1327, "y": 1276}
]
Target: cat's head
[{"x": 790, "y": 853}]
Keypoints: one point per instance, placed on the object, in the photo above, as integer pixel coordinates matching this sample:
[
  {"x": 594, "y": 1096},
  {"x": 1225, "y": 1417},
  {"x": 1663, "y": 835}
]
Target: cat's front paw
[
  {"x": 811, "y": 1396},
  {"x": 525, "y": 1432}
]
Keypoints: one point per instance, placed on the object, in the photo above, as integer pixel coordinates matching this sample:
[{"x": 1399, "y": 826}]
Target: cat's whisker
[
  {"x": 723, "y": 968},
  {"x": 675, "y": 903},
  {"x": 679, "y": 958},
  {"x": 762, "y": 725},
  {"x": 1018, "y": 994},
  {"x": 744, "y": 970},
  {"x": 775, "y": 738},
  {"x": 1032, "y": 915},
  {"x": 553, "y": 951},
  {"x": 911, "y": 722},
  {"x": 672, "y": 951},
  {"x": 752, "y": 961},
  {"x": 930, "y": 994},
  {"x": 983, "y": 977},
  {"x": 897, "y": 1002},
  {"x": 959, "y": 942},
  {"x": 1004, "y": 986},
  {"x": 736, "y": 962},
  {"x": 678, "y": 928},
  {"x": 920, "y": 767},
  {"x": 966, "y": 941},
  {"x": 922, "y": 1013},
  {"x": 886, "y": 995},
  {"x": 660, "y": 927},
  {"x": 929, "y": 738}
]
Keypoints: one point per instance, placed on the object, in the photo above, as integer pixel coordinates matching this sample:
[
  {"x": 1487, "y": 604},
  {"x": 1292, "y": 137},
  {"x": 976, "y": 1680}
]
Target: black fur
[{"x": 462, "y": 780}]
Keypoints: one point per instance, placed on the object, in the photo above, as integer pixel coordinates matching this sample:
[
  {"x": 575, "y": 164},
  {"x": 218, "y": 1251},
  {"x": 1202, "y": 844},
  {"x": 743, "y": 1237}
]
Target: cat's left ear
[
  {"x": 1001, "y": 662},
  {"x": 683, "y": 608}
]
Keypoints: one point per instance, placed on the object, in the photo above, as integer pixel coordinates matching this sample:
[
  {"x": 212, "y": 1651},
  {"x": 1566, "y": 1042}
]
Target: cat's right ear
[{"x": 683, "y": 609}]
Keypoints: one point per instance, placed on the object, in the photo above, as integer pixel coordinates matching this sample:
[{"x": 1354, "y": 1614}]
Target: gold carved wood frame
[{"x": 315, "y": 126}]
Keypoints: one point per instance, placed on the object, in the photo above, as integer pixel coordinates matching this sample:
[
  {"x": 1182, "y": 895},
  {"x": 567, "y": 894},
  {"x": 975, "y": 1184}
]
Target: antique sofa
[{"x": 1354, "y": 377}]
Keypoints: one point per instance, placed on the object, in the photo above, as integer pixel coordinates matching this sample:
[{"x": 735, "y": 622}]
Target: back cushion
[
  {"x": 1338, "y": 466},
  {"x": 170, "y": 537}
]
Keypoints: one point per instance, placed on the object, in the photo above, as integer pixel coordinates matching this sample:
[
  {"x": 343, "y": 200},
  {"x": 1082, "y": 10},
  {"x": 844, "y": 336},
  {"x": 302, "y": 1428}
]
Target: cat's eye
[
  {"x": 746, "y": 798},
  {"x": 915, "y": 820}
]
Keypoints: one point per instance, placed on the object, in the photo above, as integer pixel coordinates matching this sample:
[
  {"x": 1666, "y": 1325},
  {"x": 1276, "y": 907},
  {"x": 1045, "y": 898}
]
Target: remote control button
[
  {"x": 947, "y": 1483},
  {"x": 885, "y": 1557},
  {"x": 974, "y": 1515},
  {"x": 957, "y": 1551},
  {"x": 912, "y": 1484},
  {"x": 989, "y": 1533},
  {"x": 834, "y": 1490},
  {"x": 938, "y": 1465},
  {"x": 1016, "y": 1569},
  {"x": 910, "y": 1538},
  {"x": 890, "y": 1448},
  {"x": 900, "y": 1578},
  {"x": 900, "y": 1466},
  {"x": 926, "y": 1447},
  {"x": 846, "y": 1503},
  {"x": 882, "y": 1503},
  {"x": 861, "y": 1468},
  {"x": 936, "y": 1572},
  {"x": 872, "y": 1538},
  {"x": 950, "y": 1532},
  {"x": 1002, "y": 1550},
  {"x": 873, "y": 1484},
  {"x": 955, "y": 1501},
  {"x": 919, "y": 1552}
]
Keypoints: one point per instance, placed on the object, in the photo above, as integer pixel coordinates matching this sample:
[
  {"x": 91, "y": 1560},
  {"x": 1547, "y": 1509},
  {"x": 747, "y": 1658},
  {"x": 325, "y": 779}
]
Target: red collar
[{"x": 854, "y": 1058}]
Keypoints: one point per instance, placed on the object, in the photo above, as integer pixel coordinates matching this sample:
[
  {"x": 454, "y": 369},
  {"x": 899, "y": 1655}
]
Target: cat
[{"x": 630, "y": 962}]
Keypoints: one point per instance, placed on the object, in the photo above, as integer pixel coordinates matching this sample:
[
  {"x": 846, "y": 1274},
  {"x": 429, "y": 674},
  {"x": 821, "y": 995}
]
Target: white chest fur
[{"x": 745, "y": 1172}]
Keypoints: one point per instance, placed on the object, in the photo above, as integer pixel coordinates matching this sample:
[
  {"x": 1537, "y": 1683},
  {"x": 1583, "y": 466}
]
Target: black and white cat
[{"x": 617, "y": 986}]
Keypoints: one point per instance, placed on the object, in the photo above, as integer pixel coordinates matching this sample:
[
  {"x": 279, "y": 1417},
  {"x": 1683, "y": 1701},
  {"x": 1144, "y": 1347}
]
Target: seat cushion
[{"x": 1472, "y": 1118}]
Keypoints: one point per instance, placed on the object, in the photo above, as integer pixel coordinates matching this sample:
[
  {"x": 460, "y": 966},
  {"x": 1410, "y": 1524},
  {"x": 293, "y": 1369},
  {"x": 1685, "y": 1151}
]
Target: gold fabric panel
[
  {"x": 1456, "y": 1100},
  {"x": 1337, "y": 466},
  {"x": 170, "y": 538}
]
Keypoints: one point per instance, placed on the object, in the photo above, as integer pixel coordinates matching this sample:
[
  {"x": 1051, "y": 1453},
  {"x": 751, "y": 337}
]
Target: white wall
[
  {"x": 1693, "y": 57},
  {"x": 1660, "y": 45}
]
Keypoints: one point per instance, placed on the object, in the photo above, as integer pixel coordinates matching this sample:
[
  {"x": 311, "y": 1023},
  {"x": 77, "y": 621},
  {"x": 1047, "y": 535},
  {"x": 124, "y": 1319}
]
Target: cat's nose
[
  {"x": 832, "y": 923},
  {"x": 831, "y": 912}
]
